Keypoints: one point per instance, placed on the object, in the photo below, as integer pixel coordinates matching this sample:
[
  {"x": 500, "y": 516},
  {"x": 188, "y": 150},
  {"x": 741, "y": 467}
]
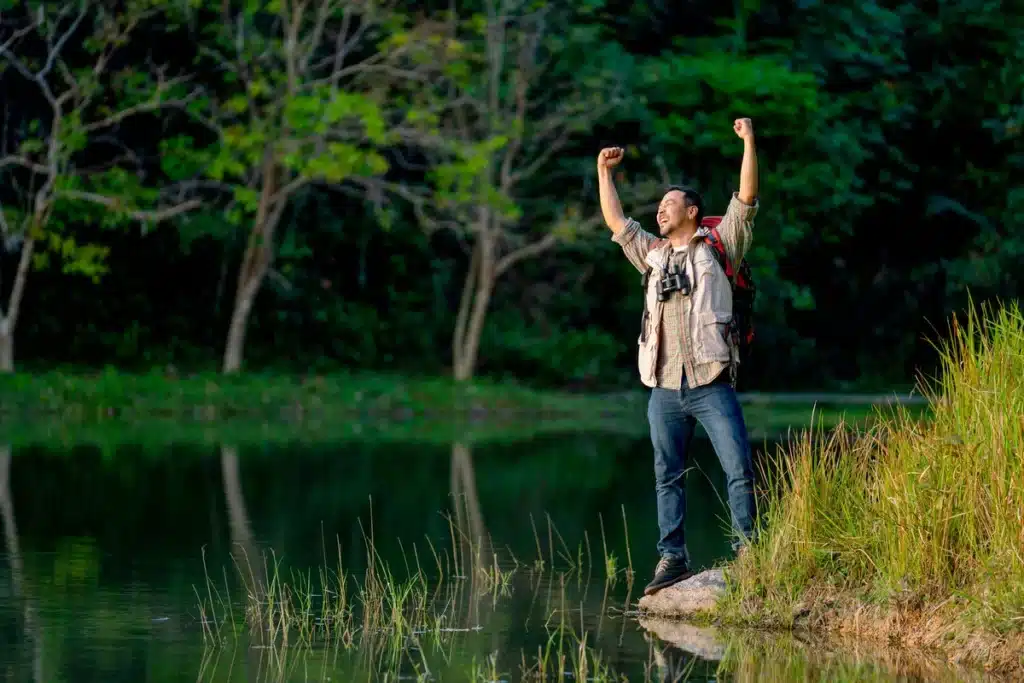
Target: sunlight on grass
[{"x": 916, "y": 512}]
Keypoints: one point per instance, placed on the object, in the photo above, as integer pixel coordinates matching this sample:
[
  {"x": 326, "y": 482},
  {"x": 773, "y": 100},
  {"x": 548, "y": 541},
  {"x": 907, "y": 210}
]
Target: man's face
[{"x": 673, "y": 213}]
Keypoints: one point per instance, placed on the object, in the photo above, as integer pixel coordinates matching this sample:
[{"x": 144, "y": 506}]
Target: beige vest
[{"x": 706, "y": 314}]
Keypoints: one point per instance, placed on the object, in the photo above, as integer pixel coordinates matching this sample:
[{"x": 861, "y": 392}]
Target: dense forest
[{"x": 323, "y": 185}]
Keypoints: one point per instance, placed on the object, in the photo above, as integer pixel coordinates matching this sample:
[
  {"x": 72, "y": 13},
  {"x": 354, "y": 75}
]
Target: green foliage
[
  {"x": 550, "y": 63},
  {"x": 517, "y": 349},
  {"x": 282, "y": 107},
  {"x": 97, "y": 396},
  {"x": 889, "y": 140},
  {"x": 58, "y": 189},
  {"x": 464, "y": 183},
  {"x": 82, "y": 259},
  {"x": 782, "y": 100}
]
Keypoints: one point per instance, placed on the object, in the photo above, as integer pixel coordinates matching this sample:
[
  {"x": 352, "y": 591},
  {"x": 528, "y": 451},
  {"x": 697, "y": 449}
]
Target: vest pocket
[{"x": 712, "y": 336}]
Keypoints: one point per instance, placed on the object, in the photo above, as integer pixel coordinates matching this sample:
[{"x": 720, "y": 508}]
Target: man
[{"x": 684, "y": 349}]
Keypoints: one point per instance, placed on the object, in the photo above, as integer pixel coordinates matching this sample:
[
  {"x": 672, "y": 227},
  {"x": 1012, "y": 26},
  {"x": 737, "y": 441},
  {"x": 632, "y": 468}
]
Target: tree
[
  {"x": 524, "y": 81},
  {"x": 305, "y": 93},
  {"x": 47, "y": 173}
]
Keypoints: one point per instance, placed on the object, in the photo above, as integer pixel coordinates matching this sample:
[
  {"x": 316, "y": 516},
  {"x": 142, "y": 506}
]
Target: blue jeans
[{"x": 672, "y": 415}]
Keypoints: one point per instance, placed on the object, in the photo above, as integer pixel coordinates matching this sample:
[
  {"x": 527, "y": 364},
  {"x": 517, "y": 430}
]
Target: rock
[
  {"x": 702, "y": 642},
  {"x": 699, "y": 593}
]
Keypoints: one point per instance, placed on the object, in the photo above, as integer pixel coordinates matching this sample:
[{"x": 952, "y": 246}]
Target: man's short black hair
[{"x": 691, "y": 198}]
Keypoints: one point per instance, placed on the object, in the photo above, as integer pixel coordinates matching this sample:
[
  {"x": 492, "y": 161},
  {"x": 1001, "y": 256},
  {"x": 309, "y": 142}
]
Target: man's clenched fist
[
  {"x": 744, "y": 128},
  {"x": 610, "y": 157}
]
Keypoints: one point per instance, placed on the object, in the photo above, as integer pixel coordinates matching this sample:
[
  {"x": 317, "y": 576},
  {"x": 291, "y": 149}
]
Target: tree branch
[
  {"x": 549, "y": 240},
  {"x": 8, "y": 55},
  {"x": 416, "y": 200},
  {"x": 5, "y": 228},
  {"x": 560, "y": 125},
  {"x": 518, "y": 128},
  {"x": 525, "y": 252},
  {"x": 150, "y": 105},
  {"x": 343, "y": 44},
  {"x": 324, "y": 10},
  {"x": 17, "y": 160},
  {"x": 285, "y": 191},
  {"x": 55, "y": 48},
  {"x": 144, "y": 216}
]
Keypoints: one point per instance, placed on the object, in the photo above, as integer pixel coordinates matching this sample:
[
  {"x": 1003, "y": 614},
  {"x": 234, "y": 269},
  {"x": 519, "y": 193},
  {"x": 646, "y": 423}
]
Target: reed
[{"x": 331, "y": 605}]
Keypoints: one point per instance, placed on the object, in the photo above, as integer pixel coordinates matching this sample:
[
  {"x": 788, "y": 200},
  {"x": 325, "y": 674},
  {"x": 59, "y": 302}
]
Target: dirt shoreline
[
  {"x": 936, "y": 631},
  {"x": 939, "y": 630}
]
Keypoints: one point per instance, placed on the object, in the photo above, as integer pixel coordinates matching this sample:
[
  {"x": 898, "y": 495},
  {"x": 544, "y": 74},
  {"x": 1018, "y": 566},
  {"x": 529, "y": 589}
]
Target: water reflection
[
  {"x": 752, "y": 656},
  {"x": 28, "y": 609},
  {"x": 677, "y": 653},
  {"x": 113, "y": 550},
  {"x": 250, "y": 567}
]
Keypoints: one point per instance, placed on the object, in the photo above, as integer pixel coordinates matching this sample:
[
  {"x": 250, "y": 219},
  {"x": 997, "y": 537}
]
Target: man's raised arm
[
  {"x": 748, "y": 170},
  {"x": 626, "y": 232},
  {"x": 611, "y": 208},
  {"x": 737, "y": 224}
]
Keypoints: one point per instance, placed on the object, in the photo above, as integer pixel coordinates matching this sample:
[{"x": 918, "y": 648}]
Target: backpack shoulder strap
[{"x": 709, "y": 233}]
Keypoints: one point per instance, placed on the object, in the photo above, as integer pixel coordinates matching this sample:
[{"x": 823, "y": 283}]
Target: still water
[{"x": 134, "y": 563}]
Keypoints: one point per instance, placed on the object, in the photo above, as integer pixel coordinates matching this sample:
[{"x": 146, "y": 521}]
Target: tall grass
[
  {"x": 915, "y": 510},
  {"x": 392, "y": 628},
  {"x": 410, "y": 621}
]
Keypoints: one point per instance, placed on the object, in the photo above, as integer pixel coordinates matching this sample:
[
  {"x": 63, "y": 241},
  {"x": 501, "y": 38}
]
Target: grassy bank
[
  {"x": 110, "y": 408},
  {"x": 213, "y": 396},
  {"x": 911, "y": 531},
  {"x": 764, "y": 422}
]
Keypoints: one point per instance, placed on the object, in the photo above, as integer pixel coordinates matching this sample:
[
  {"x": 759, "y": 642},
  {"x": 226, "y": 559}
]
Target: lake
[{"x": 138, "y": 563}]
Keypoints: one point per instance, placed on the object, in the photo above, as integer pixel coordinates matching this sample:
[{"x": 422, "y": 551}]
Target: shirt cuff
[
  {"x": 626, "y": 235},
  {"x": 745, "y": 211}
]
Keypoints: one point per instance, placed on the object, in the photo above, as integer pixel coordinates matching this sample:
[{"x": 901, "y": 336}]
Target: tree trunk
[
  {"x": 235, "y": 346},
  {"x": 465, "y": 303},
  {"x": 9, "y": 322},
  {"x": 476, "y": 297},
  {"x": 471, "y": 346},
  {"x": 6, "y": 347},
  {"x": 255, "y": 264},
  {"x": 258, "y": 254}
]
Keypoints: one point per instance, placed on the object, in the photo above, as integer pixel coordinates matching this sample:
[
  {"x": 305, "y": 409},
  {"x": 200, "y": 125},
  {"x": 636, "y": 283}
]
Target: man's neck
[{"x": 682, "y": 236}]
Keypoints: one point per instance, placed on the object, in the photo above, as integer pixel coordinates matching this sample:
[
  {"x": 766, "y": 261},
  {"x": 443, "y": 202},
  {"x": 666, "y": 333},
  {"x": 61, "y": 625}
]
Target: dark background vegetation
[{"x": 891, "y": 157}]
